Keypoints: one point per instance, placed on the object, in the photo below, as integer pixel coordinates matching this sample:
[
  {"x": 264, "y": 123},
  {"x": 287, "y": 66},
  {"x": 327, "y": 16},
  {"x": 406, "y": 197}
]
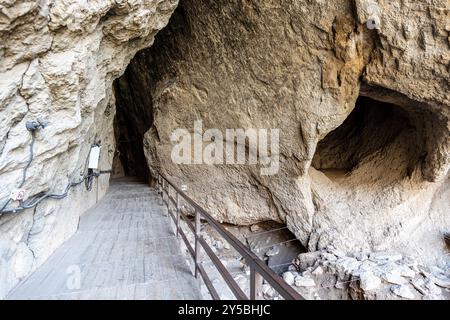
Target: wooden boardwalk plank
[{"x": 124, "y": 249}]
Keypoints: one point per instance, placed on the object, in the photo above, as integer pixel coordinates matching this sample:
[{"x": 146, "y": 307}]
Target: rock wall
[
  {"x": 359, "y": 91},
  {"x": 369, "y": 75},
  {"x": 57, "y": 63}
]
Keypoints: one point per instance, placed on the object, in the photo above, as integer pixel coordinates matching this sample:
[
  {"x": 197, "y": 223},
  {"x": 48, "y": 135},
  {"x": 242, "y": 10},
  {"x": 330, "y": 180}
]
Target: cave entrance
[
  {"x": 378, "y": 140},
  {"x": 133, "y": 118}
]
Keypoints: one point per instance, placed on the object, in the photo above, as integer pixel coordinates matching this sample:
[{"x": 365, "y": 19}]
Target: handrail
[{"x": 258, "y": 269}]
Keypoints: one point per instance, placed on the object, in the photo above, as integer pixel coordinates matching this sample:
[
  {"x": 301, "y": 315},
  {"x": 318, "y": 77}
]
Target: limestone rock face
[
  {"x": 57, "y": 63},
  {"x": 359, "y": 91}
]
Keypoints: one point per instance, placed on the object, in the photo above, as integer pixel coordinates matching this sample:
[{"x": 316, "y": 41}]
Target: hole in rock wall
[
  {"x": 135, "y": 90},
  {"x": 133, "y": 118},
  {"x": 378, "y": 140}
]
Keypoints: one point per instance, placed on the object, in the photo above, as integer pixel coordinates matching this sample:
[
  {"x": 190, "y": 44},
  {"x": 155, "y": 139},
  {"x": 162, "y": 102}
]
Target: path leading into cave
[{"x": 125, "y": 248}]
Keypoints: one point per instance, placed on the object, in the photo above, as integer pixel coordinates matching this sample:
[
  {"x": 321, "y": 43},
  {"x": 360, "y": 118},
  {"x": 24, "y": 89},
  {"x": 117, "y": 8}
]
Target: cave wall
[
  {"x": 58, "y": 60},
  {"x": 301, "y": 67},
  {"x": 295, "y": 65}
]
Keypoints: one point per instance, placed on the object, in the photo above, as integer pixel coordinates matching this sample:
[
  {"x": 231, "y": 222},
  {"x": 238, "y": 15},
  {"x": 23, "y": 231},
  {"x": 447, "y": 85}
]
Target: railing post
[
  {"x": 255, "y": 284},
  {"x": 178, "y": 215},
  {"x": 163, "y": 189},
  {"x": 160, "y": 193},
  {"x": 197, "y": 243}
]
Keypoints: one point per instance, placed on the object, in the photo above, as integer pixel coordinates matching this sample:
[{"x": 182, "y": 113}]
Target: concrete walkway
[{"x": 124, "y": 249}]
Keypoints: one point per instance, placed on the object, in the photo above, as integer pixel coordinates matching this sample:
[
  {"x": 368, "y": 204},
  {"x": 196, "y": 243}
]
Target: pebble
[
  {"x": 406, "y": 272},
  {"x": 348, "y": 264},
  {"x": 268, "y": 291},
  {"x": 289, "y": 278},
  {"x": 219, "y": 245},
  {"x": 432, "y": 288},
  {"x": 441, "y": 281},
  {"x": 393, "y": 278},
  {"x": 419, "y": 284},
  {"x": 403, "y": 291},
  {"x": 318, "y": 271},
  {"x": 301, "y": 281},
  {"x": 306, "y": 260},
  {"x": 368, "y": 281}
]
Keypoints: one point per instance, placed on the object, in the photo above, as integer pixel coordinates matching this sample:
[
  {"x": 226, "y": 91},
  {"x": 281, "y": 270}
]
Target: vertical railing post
[
  {"x": 178, "y": 214},
  {"x": 255, "y": 284},
  {"x": 168, "y": 198},
  {"x": 197, "y": 244},
  {"x": 158, "y": 184},
  {"x": 163, "y": 189},
  {"x": 160, "y": 192}
]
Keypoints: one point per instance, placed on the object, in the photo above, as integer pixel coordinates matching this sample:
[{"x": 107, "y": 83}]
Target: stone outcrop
[
  {"x": 57, "y": 63},
  {"x": 359, "y": 91}
]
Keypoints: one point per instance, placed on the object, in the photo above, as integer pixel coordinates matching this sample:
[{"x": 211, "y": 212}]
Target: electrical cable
[
  {"x": 24, "y": 173},
  {"x": 36, "y": 199}
]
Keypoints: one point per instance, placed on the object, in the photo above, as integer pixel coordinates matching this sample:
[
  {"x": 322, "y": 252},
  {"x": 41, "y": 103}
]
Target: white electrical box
[
  {"x": 94, "y": 157},
  {"x": 18, "y": 195}
]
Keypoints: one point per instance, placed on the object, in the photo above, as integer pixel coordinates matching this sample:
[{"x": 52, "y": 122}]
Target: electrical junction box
[
  {"x": 18, "y": 195},
  {"x": 94, "y": 157}
]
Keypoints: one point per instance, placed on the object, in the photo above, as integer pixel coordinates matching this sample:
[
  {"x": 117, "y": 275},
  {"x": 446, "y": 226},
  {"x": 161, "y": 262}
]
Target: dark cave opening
[
  {"x": 133, "y": 118},
  {"x": 135, "y": 90},
  {"x": 367, "y": 137}
]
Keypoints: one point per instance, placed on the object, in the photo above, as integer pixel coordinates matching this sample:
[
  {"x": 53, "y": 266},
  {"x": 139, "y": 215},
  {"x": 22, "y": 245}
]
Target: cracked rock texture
[
  {"x": 57, "y": 63},
  {"x": 361, "y": 98},
  {"x": 358, "y": 88}
]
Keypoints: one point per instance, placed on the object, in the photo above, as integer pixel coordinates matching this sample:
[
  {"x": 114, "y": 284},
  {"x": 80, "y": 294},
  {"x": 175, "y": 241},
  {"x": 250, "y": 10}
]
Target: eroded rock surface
[
  {"x": 57, "y": 63},
  {"x": 361, "y": 96},
  {"x": 358, "y": 88}
]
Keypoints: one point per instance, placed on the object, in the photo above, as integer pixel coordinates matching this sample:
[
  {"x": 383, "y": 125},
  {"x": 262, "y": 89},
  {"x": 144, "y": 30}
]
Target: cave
[
  {"x": 385, "y": 135},
  {"x": 148, "y": 73},
  {"x": 131, "y": 122}
]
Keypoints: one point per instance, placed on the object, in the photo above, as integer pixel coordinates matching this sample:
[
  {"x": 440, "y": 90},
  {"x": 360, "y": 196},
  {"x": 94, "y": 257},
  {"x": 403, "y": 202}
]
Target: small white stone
[
  {"x": 441, "y": 281},
  {"x": 393, "y": 278},
  {"x": 403, "y": 291},
  {"x": 219, "y": 245},
  {"x": 432, "y": 288},
  {"x": 349, "y": 264},
  {"x": 406, "y": 271},
  {"x": 268, "y": 291},
  {"x": 301, "y": 281},
  {"x": 289, "y": 278},
  {"x": 318, "y": 271},
  {"x": 368, "y": 281}
]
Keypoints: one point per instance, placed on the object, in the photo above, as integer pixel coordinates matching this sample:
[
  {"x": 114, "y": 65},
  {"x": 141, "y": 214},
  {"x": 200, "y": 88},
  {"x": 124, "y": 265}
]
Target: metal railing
[{"x": 258, "y": 269}]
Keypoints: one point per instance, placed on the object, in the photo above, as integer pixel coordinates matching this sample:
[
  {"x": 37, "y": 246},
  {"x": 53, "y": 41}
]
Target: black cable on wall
[{"x": 38, "y": 198}]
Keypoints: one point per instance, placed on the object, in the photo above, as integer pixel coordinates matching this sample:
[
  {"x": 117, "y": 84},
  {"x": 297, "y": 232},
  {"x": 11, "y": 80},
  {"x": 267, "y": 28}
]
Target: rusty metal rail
[{"x": 258, "y": 269}]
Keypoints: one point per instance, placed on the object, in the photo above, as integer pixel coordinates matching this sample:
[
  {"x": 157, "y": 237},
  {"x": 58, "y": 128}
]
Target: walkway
[{"x": 124, "y": 249}]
